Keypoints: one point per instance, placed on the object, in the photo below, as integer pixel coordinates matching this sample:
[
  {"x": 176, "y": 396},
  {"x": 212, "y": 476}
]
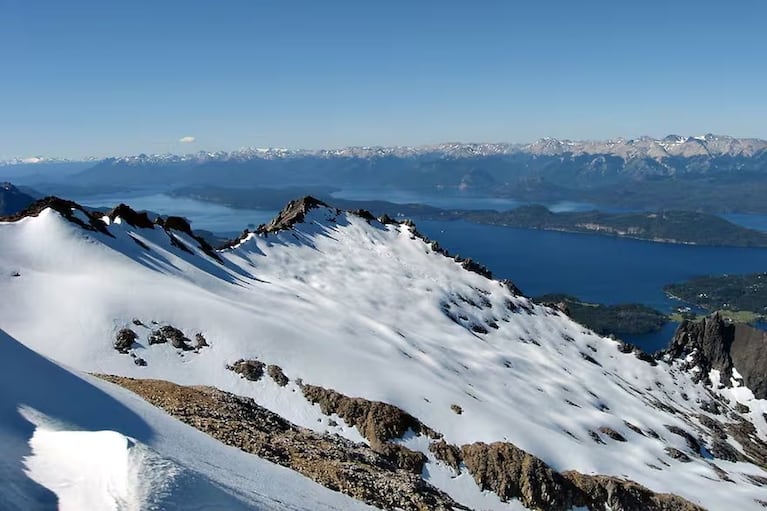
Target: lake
[
  {"x": 453, "y": 200},
  {"x": 203, "y": 215},
  {"x": 592, "y": 267}
]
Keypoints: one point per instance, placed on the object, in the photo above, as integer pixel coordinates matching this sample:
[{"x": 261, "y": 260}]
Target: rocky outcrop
[
  {"x": 180, "y": 224},
  {"x": 605, "y": 492},
  {"x": 124, "y": 340},
  {"x": 251, "y": 370},
  {"x": 134, "y": 218},
  {"x": 334, "y": 462},
  {"x": 200, "y": 341},
  {"x": 276, "y": 374},
  {"x": 376, "y": 421},
  {"x": 511, "y": 472},
  {"x": 448, "y": 454},
  {"x": 387, "y": 475},
  {"x": 172, "y": 335},
  {"x": 70, "y": 210},
  {"x": 716, "y": 343},
  {"x": 293, "y": 213},
  {"x": 754, "y": 448}
]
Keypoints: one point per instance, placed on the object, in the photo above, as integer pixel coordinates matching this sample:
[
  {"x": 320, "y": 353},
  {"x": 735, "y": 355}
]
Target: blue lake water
[
  {"x": 594, "y": 268},
  {"x": 203, "y": 215}
]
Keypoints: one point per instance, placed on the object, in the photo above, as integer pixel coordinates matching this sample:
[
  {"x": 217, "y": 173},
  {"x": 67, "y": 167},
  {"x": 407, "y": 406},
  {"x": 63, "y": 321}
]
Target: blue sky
[{"x": 107, "y": 77}]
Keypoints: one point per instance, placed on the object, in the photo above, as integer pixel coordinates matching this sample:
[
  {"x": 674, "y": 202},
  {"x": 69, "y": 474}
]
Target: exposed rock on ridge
[
  {"x": 715, "y": 343},
  {"x": 70, "y": 210},
  {"x": 332, "y": 461},
  {"x": 293, "y": 213}
]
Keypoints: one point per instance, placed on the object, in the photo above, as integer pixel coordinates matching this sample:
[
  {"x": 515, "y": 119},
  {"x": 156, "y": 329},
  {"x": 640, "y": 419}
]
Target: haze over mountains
[
  {"x": 707, "y": 173},
  {"x": 642, "y": 147}
]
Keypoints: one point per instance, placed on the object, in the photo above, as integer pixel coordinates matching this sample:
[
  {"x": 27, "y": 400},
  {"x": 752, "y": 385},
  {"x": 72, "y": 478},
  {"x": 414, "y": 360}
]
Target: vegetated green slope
[
  {"x": 728, "y": 292},
  {"x": 623, "y": 319}
]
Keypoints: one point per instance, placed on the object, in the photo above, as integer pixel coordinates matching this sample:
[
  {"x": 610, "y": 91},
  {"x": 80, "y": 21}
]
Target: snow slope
[
  {"x": 372, "y": 311},
  {"x": 74, "y": 442}
]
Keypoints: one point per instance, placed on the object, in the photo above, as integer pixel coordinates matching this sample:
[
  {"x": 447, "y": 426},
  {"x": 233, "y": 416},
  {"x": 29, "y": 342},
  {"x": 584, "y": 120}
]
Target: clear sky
[{"x": 108, "y": 77}]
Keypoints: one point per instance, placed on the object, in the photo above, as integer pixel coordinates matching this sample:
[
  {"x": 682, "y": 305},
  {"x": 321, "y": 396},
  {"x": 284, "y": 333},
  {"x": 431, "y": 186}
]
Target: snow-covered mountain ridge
[
  {"x": 343, "y": 301},
  {"x": 708, "y": 145}
]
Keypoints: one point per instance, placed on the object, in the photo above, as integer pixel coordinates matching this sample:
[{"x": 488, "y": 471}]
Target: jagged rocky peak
[
  {"x": 293, "y": 213},
  {"x": 136, "y": 219},
  {"x": 175, "y": 223},
  {"x": 68, "y": 209},
  {"x": 735, "y": 350}
]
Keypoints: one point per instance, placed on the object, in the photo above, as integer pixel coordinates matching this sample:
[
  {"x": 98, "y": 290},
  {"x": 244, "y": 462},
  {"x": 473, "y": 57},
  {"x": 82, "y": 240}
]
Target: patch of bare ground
[{"x": 334, "y": 462}]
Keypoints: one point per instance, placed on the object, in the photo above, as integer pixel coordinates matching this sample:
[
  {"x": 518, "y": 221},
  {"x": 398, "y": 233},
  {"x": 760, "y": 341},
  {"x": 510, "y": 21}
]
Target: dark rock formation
[
  {"x": 474, "y": 266},
  {"x": 513, "y": 473},
  {"x": 170, "y": 334},
  {"x": 200, "y": 341},
  {"x": 387, "y": 475},
  {"x": 66, "y": 209},
  {"x": 605, "y": 492},
  {"x": 136, "y": 219},
  {"x": 715, "y": 343},
  {"x": 275, "y": 372},
  {"x": 627, "y": 347},
  {"x": 610, "y": 432},
  {"x": 364, "y": 213},
  {"x": 334, "y": 462},
  {"x": 402, "y": 457},
  {"x": 677, "y": 455},
  {"x": 512, "y": 287},
  {"x": 293, "y": 213},
  {"x": 378, "y": 422},
  {"x": 754, "y": 448},
  {"x": 177, "y": 223},
  {"x": 457, "y": 409},
  {"x": 124, "y": 340},
  {"x": 692, "y": 442},
  {"x": 251, "y": 370},
  {"x": 235, "y": 241},
  {"x": 448, "y": 454}
]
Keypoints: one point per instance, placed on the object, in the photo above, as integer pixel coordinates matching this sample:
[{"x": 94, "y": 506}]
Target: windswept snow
[
  {"x": 371, "y": 311},
  {"x": 74, "y": 442},
  {"x": 96, "y": 469}
]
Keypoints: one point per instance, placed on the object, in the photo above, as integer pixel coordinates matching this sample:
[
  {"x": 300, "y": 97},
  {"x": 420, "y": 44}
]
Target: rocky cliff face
[{"x": 732, "y": 349}]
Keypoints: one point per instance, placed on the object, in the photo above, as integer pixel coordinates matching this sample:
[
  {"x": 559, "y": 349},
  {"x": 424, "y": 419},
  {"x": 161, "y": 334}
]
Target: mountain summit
[{"x": 354, "y": 352}]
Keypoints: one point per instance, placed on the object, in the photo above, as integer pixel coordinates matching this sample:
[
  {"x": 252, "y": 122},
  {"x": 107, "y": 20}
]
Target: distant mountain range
[
  {"x": 706, "y": 173},
  {"x": 708, "y": 145}
]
